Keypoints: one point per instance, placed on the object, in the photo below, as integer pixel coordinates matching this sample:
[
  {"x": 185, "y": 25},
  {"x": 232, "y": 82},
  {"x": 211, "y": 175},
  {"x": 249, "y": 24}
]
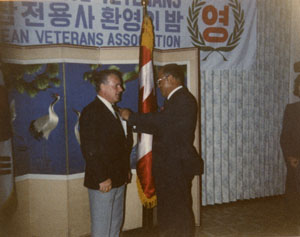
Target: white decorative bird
[
  {"x": 76, "y": 130},
  {"x": 12, "y": 108},
  {"x": 43, "y": 126}
]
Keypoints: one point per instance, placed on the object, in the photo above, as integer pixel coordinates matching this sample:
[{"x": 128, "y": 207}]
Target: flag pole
[{"x": 147, "y": 212}]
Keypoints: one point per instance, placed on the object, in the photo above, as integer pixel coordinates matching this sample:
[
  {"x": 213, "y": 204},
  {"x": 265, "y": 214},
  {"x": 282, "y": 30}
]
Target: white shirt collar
[
  {"x": 107, "y": 104},
  {"x": 173, "y": 91}
]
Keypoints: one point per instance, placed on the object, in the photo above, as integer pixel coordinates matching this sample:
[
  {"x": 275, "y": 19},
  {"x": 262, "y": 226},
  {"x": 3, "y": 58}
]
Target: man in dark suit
[
  {"x": 290, "y": 144},
  {"x": 175, "y": 159},
  {"x": 106, "y": 144}
]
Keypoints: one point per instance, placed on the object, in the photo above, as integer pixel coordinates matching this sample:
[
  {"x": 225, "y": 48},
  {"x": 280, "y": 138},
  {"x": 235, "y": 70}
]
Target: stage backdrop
[{"x": 243, "y": 97}]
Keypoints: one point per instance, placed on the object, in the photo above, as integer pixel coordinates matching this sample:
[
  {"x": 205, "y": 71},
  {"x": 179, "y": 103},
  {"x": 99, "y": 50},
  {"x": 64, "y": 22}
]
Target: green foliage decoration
[{"x": 30, "y": 79}]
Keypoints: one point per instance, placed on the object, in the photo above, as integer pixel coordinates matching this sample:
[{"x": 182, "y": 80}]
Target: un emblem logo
[{"x": 215, "y": 34}]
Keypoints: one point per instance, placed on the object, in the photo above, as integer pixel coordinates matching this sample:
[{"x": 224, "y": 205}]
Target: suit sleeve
[
  {"x": 288, "y": 138},
  {"x": 178, "y": 118}
]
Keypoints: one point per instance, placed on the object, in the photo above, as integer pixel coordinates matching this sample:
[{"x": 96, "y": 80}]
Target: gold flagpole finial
[{"x": 144, "y": 4}]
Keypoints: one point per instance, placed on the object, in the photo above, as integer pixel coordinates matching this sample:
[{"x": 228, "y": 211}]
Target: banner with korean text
[{"x": 225, "y": 31}]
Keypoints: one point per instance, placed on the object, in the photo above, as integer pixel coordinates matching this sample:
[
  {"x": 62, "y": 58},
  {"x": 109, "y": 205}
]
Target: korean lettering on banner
[
  {"x": 59, "y": 14},
  {"x": 33, "y": 13},
  {"x": 172, "y": 21},
  {"x": 85, "y": 18},
  {"x": 128, "y": 16},
  {"x": 110, "y": 19},
  {"x": 210, "y": 16}
]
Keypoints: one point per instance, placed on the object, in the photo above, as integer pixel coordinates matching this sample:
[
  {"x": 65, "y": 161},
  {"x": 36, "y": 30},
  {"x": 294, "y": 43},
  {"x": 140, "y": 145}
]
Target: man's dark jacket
[
  {"x": 290, "y": 135},
  {"x": 174, "y": 132},
  {"x": 104, "y": 146},
  {"x": 290, "y": 145},
  {"x": 175, "y": 160}
]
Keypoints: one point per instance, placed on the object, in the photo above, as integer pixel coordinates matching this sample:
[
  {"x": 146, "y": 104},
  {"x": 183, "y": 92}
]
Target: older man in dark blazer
[
  {"x": 106, "y": 144},
  {"x": 175, "y": 159},
  {"x": 290, "y": 144}
]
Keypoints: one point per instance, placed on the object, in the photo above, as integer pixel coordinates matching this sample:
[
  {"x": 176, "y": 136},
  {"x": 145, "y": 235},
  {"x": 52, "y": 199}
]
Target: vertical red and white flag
[
  {"x": 7, "y": 189},
  {"x": 147, "y": 103}
]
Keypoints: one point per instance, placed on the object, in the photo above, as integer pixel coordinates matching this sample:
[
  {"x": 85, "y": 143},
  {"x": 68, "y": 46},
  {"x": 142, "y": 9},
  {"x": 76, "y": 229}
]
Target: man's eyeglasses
[{"x": 160, "y": 79}]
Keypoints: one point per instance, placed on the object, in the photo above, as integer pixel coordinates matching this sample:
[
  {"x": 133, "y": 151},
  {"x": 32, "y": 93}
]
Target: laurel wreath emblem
[{"x": 233, "y": 39}]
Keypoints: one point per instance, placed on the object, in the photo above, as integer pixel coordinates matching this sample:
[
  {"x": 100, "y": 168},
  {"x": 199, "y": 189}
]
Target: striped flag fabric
[
  {"x": 7, "y": 193},
  {"x": 147, "y": 103}
]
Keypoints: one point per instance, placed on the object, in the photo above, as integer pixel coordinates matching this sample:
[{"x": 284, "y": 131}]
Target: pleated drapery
[{"x": 241, "y": 115}]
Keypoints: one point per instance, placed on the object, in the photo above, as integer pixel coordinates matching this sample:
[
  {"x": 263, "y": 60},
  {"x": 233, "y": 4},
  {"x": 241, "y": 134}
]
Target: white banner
[{"x": 224, "y": 30}]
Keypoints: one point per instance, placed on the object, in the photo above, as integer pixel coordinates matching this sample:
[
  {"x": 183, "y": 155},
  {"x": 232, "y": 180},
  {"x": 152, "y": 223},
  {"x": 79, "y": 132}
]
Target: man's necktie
[
  {"x": 165, "y": 104},
  {"x": 116, "y": 110}
]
